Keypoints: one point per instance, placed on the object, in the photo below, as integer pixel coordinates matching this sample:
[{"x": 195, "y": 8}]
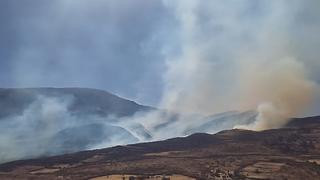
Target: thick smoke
[
  {"x": 240, "y": 56},
  {"x": 282, "y": 91}
]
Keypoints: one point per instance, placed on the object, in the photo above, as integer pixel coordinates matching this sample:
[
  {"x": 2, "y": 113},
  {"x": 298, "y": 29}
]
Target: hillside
[
  {"x": 52, "y": 121},
  {"x": 288, "y": 153}
]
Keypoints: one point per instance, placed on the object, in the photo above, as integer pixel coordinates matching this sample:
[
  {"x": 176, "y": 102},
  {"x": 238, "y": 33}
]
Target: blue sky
[{"x": 154, "y": 51}]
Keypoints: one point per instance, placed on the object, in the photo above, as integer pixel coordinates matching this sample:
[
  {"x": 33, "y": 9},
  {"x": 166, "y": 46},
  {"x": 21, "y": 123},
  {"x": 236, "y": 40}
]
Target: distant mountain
[
  {"x": 291, "y": 153},
  {"x": 49, "y": 121},
  {"x": 84, "y": 101}
]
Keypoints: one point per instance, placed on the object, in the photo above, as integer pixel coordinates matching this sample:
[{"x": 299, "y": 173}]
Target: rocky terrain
[{"x": 292, "y": 152}]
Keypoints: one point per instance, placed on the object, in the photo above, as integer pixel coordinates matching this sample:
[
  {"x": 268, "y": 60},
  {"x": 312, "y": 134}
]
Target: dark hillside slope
[{"x": 287, "y": 153}]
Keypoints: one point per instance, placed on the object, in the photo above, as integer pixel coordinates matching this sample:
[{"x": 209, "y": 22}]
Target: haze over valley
[{"x": 51, "y": 121}]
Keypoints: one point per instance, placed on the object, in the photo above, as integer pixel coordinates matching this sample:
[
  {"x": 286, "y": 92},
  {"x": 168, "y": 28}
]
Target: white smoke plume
[
  {"x": 233, "y": 55},
  {"x": 40, "y": 130},
  {"x": 32, "y": 129}
]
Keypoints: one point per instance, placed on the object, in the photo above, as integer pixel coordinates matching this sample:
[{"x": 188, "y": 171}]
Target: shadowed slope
[{"x": 287, "y": 153}]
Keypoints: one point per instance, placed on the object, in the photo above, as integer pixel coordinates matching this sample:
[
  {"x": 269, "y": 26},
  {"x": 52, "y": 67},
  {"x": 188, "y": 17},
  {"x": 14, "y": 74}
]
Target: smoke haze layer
[
  {"x": 52, "y": 121},
  {"x": 49, "y": 121}
]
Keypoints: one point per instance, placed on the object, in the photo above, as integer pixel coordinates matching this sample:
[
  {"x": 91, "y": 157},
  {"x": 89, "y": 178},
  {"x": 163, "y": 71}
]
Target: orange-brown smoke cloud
[
  {"x": 280, "y": 90},
  {"x": 233, "y": 58}
]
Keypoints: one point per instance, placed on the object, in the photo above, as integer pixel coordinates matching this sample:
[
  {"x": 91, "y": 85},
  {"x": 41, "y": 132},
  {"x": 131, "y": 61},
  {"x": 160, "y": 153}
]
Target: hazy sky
[
  {"x": 123, "y": 46},
  {"x": 104, "y": 44}
]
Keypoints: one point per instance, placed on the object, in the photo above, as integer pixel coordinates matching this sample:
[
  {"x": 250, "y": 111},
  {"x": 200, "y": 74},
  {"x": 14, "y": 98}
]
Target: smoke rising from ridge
[
  {"x": 218, "y": 56},
  {"x": 282, "y": 91},
  {"x": 240, "y": 56}
]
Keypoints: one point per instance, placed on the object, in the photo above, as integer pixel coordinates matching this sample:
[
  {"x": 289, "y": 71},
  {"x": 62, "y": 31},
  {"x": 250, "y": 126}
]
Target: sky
[
  {"x": 152, "y": 51},
  {"x": 96, "y": 44}
]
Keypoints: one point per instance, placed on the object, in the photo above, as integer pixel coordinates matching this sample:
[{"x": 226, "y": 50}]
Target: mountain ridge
[
  {"x": 29, "y": 94},
  {"x": 41, "y": 118}
]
